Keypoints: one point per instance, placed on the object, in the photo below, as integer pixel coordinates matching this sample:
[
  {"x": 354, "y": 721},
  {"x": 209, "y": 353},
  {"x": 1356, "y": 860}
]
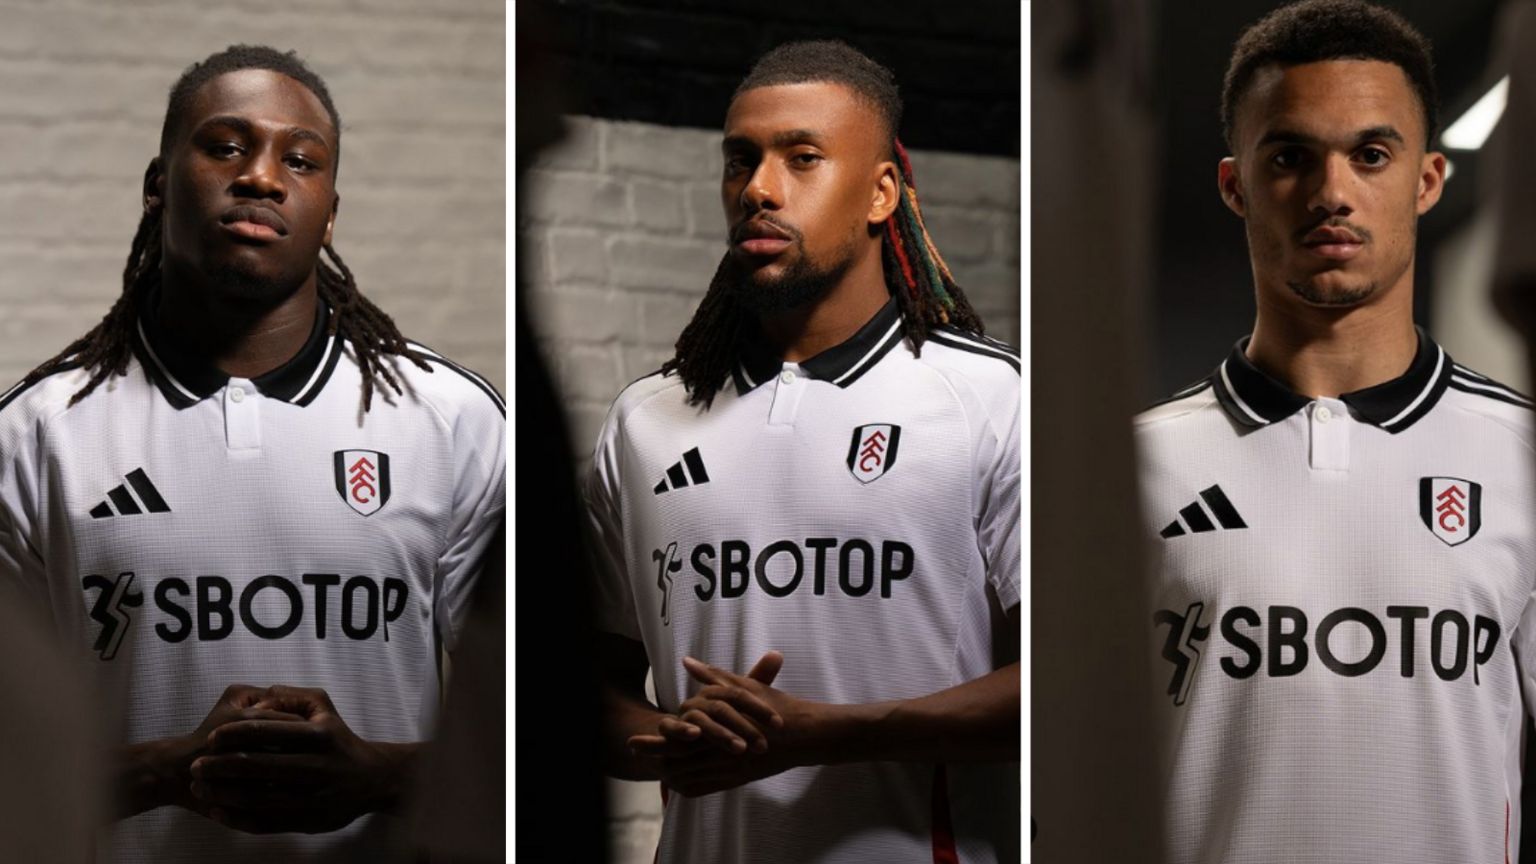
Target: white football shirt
[
  {"x": 190, "y": 531},
  {"x": 1343, "y": 615},
  {"x": 853, "y": 511}
]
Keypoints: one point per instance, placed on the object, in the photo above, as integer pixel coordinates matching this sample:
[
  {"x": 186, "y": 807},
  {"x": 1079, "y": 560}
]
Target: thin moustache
[
  {"x": 256, "y": 214},
  {"x": 1356, "y": 233}
]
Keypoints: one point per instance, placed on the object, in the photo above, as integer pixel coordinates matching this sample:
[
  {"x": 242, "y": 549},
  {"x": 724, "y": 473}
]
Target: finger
[
  {"x": 676, "y": 729},
  {"x": 300, "y": 700},
  {"x": 270, "y": 736},
  {"x": 704, "y": 672},
  {"x": 270, "y": 767},
  {"x": 715, "y": 732},
  {"x": 727, "y": 716},
  {"x": 745, "y": 701},
  {"x": 656, "y": 746},
  {"x": 767, "y": 667}
]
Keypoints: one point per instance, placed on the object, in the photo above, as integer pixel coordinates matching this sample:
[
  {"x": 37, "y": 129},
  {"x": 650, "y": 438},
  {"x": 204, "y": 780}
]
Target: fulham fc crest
[
  {"x": 873, "y": 451},
  {"x": 1451, "y": 508},
  {"x": 362, "y": 479}
]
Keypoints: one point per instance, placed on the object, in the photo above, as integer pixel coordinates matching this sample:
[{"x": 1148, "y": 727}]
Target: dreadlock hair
[
  {"x": 108, "y": 347},
  {"x": 1315, "y": 30},
  {"x": 915, "y": 273}
]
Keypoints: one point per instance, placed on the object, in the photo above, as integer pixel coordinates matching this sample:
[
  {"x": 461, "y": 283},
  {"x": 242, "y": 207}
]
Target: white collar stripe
[
  {"x": 879, "y": 346},
  {"x": 161, "y": 365},
  {"x": 1238, "y": 400},
  {"x": 1423, "y": 394},
  {"x": 320, "y": 368}
]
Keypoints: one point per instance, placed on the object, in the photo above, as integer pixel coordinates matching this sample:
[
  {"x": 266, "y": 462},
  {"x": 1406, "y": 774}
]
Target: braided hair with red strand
[{"x": 915, "y": 273}]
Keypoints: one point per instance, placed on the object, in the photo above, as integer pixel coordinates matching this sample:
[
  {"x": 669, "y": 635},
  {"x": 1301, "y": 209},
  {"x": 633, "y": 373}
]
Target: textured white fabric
[
  {"x": 872, "y": 590},
  {"x": 1387, "y": 726},
  {"x": 256, "y": 570}
]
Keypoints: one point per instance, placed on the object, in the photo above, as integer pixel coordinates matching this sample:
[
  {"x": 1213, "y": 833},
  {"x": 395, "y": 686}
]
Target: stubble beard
[
  {"x": 801, "y": 283},
  {"x": 1312, "y": 294}
]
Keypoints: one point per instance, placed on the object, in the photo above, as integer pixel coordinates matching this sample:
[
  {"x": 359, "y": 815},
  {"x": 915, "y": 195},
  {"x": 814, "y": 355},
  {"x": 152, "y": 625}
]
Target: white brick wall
[
  {"x": 624, "y": 228},
  {"x": 420, "y": 89}
]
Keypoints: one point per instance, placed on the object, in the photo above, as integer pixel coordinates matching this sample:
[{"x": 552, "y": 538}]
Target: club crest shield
[
  {"x": 873, "y": 451},
  {"x": 362, "y": 479},
  {"x": 1451, "y": 508}
]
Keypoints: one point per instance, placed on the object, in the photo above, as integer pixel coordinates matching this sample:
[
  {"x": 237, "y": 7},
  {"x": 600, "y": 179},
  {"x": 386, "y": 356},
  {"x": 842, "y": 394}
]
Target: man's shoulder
[
  {"x": 28, "y": 403},
  {"x": 1492, "y": 401},
  {"x": 989, "y": 365},
  {"x": 1184, "y": 403},
  {"x": 642, "y": 394},
  {"x": 451, "y": 387}
]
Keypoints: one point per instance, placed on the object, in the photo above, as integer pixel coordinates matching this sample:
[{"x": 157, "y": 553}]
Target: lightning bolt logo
[
  {"x": 108, "y": 610},
  {"x": 1180, "y": 649},
  {"x": 666, "y": 565}
]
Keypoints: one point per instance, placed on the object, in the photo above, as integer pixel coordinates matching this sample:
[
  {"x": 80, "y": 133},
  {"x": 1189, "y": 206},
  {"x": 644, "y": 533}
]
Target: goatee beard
[
  {"x": 800, "y": 283},
  {"x": 1348, "y": 297}
]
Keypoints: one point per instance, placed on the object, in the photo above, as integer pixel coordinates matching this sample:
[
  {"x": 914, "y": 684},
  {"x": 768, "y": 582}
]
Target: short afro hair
[
  {"x": 234, "y": 59},
  {"x": 1315, "y": 30},
  {"x": 829, "y": 60}
]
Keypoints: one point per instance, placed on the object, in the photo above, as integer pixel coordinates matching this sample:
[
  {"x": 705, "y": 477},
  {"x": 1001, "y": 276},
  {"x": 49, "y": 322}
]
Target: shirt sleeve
[
  {"x": 479, "y": 505},
  {"x": 997, "y": 493},
  {"x": 1523, "y": 643},
  {"x": 611, "y": 593},
  {"x": 23, "y": 569}
]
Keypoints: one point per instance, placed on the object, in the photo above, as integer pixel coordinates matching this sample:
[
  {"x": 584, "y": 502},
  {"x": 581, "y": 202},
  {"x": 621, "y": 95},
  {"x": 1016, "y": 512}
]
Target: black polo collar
[
  {"x": 1254, "y": 399},
  {"x": 841, "y": 364},
  {"x": 185, "y": 380}
]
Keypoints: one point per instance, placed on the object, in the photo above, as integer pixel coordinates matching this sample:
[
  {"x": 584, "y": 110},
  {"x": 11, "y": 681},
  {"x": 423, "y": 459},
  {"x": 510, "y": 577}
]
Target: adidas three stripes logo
[
  {"x": 1195, "y": 517},
  {"x": 120, "y": 502},
  {"x": 688, "y": 471}
]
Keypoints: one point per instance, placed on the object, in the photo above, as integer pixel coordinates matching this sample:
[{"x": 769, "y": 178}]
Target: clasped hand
[
  {"x": 733, "y": 730},
  {"x": 277, "y": 759}
]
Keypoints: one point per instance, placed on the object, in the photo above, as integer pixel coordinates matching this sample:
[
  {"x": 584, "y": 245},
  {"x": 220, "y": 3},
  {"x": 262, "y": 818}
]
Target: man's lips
[
  {"x": 254, "y": 223},
  {"x": 1338, "y": 244},
  {"x": 761, "y": 238}
]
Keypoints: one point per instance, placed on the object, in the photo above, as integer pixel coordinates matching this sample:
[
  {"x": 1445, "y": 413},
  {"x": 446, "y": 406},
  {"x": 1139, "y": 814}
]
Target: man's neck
[
  {"x": 1330, "y": 352},
  {"x": 802, "y": 333},
  {"x": 242, "y": 340}
]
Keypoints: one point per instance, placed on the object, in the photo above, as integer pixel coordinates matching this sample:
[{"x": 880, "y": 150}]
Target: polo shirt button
[
  {"x": 787, "y": 376},
  {"x": 236, "y": 394},
  {"x": 1322, "y": 414}
]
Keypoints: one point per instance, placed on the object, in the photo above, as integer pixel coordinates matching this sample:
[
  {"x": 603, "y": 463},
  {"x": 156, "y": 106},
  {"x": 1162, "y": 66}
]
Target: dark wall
[{"x": 676, "y": 62}]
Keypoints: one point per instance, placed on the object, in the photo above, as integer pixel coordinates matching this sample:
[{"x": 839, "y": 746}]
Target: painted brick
[
  {"x": 656, "y": 207},
  {"x": 638, "y": 148},
  {"x": 577, "y": 255},
  {"x": 662, "y": 263}
]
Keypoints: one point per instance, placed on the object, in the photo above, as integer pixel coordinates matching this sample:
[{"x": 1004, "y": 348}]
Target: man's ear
[
  {"x": 887, "y": 193},
  {"x": 330, "y": 224},
  {"x": 1230, "y": 183},
  {"x": 154, "y": 186}
]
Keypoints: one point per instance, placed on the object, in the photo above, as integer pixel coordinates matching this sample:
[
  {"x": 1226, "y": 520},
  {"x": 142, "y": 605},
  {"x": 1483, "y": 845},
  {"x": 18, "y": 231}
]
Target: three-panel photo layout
[{"x": 709, "y": 432}]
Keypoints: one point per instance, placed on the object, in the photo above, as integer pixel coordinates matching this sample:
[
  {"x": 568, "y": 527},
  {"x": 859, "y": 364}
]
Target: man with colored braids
[
  {"x": 246, "y": 491},
  {"x": 808, "y": 520}
]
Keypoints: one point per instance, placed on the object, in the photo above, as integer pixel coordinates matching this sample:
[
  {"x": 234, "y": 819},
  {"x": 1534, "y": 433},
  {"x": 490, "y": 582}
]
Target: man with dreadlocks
[
  {"x": 244, "y": 481},
  {"x": 822, "y": 486}
]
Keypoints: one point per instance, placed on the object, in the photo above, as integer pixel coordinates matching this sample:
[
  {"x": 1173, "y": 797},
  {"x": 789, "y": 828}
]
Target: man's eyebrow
[
  {"x": 1291, "y": 136},
  {"x": 780, "y": 139},
  {"x": 245, "y": 127}
]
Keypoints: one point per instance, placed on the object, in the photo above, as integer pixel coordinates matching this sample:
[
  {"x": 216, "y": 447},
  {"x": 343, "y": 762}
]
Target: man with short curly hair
[{"x": 1344, "y": 557}]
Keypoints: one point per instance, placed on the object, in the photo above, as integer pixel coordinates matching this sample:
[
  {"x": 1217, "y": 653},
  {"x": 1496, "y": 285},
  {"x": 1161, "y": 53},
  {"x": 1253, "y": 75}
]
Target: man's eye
[
  {"x": 1374, "y": 156},
  {"x": 299, "y": 163},
  {"x": 804, "y": 159},
  {"x": 223, "y": 149},
  {"x": 1287, "y": 158}
]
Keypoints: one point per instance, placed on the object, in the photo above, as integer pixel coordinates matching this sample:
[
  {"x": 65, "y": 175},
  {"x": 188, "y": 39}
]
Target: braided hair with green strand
[
  {"x": 109, "y": 346},
  {"x": 915, "y": 273}
]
